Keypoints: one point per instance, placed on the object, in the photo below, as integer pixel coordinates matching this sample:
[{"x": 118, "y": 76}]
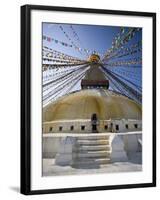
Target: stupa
[{"x": 92, "y": 127}]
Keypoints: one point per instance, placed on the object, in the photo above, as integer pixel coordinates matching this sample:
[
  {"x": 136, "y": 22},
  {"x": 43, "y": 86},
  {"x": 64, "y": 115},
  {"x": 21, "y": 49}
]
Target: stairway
[{"x": 91, "y": 152}]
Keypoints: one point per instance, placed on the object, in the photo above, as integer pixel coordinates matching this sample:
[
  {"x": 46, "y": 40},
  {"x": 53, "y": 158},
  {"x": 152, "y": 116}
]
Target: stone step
[
  {"x": 92, "y": 142},
  {"x": 80, "y": 148},
  {"x": 92, "y": 154},
  {"x": 90, "y": 163},
  {"x": 101, "y": 137}
]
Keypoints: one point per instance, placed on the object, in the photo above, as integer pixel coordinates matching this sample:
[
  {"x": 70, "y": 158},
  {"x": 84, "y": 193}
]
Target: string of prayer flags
[
  {"x": 49, "y": 39},
  {"x": 121, "y": 39},
  {"x": 135, "y": 61}
]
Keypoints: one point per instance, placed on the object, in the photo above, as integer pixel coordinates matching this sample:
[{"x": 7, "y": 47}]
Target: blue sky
[{"x": 93, "y": 37}]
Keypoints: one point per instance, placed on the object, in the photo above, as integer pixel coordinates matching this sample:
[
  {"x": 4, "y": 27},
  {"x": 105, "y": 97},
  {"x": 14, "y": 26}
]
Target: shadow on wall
[{"x": 15, "y": 189}]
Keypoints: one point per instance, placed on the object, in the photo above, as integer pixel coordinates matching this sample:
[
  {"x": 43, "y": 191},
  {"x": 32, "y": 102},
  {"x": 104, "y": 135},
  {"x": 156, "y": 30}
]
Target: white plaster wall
[
  {"x": 131, "y": 143},
  {"x": 51, "y": 146},
  {"x": 88, "y": 127},
  {"x": 118, "y": 153}
]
